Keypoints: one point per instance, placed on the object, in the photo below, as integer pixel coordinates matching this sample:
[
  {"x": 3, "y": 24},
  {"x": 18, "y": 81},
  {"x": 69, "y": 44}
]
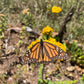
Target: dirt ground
[{"x": 15, "y": 70}]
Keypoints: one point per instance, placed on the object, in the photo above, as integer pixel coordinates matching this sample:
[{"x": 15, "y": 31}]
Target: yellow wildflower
[
  {"x": 45, "y": 80},
  {"x": 33, "y": 43},
  {"x": 2, "y": 15},
  {"x": 47, "y": 30},
  {"x": 60, "y": 60},
  {"x": 56, "y": 9},
  {"x": 60, "y": 45},
  {"x": 53, "y": 41},
  {"x": 25, "y": 11}
]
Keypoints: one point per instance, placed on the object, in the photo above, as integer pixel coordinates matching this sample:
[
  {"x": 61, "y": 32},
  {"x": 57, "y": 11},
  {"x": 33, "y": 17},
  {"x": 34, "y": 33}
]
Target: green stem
[{"x": 40, "y": 80}]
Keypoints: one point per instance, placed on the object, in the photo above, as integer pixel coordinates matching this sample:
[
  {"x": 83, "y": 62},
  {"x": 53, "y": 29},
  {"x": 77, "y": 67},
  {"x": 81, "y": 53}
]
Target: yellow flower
[
  {"x": 60, "y": 60},
  {"x": 60, "y": 45},
  {"x": 25, "y": 11},
  {"x": 53, "y": 41},
  {"x": 33, "y": 43},
  {"x": 2, "y": 15},
  {"x": 56, "y": 9},
  {"x": 47, "y": 30}
]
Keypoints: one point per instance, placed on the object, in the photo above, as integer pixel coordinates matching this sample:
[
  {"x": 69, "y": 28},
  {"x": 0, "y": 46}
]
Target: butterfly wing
[
  {"x": 34, "y": 52},
  {"x": 54, "y": 52},
  {"x": 43, "y": 58},
  {"x": 49, "y": 52}
]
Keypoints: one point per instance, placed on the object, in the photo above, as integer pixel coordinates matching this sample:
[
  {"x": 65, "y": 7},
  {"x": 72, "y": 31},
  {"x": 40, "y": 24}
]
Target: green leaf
[
  {"x": 66, "y": 82},
  {"x": 40, "y": 74},
  {"x": 81, "y": 82},
  {"x": 0, "y": 30},
  {"x": 81, "y": 57},
  {"x": 45, "y": 37},
  {"x": 82, "y": 77},
  {"x": 50, "y": 82},
  {"x": 65, "y": 45},
  {"x": 80, "y": 61},
  {"x": 79, "y": 51},
  {"x": 74, "y": 46},
  {"x": 39, "y": 81}
]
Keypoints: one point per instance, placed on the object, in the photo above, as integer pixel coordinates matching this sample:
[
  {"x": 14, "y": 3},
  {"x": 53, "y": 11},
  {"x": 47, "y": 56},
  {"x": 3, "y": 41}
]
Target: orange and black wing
[
  {"x": 43, "y": 58},
  {"x": 54, "y": 52},
  {"x": 46, "y": 53},
  {"x": 34, "y": 52}
]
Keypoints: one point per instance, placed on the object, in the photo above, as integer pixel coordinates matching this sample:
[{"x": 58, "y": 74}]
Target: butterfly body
[
  {"x": 46, "y": 52},
  {"x": 41, "y": 46}
]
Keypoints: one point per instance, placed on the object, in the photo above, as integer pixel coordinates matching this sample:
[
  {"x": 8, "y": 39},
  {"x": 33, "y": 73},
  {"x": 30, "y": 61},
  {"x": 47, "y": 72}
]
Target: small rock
[
  {"x": 48, "y": 79},
  {"x": 78, "y": 68},
  {"x": 1, "y": 42},
  {"x": 71, "y": 75},
  {"x": 70, "y": 68},
  {"x": 10, "y": 49},
  {"x": 0, "y": 47},
  {"x": 83, "y": 71},
  {"x": 10, "y": 78},
  {"x": 24, "y": 81},
  {"x": 83, "y": 47}
]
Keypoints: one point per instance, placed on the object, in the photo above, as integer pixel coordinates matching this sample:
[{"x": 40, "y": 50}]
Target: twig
[
  {"x": 6, "y": 55},
  {"x": 66, "y": 20},
  {"x": 30, "y": 30},
  {"x": 3, "y": 10}
]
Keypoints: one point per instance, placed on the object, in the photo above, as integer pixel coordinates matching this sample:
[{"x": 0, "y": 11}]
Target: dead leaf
[{"x": 15, "y": 29}]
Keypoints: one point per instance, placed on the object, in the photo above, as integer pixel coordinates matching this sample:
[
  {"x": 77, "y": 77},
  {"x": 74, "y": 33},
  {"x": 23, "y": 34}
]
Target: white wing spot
[
  {"x": 29, "y": 50},
  {"x": 60, "y": 50},
  {"x": 57, "y": 48}
]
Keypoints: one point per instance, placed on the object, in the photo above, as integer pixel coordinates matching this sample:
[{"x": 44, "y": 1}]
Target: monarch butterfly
[{"x": 46, "y": 52}]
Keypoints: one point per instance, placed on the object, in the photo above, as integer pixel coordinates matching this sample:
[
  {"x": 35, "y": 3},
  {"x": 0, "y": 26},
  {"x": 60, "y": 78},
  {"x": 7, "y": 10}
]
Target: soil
[{"x": 14, "y": 67}]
